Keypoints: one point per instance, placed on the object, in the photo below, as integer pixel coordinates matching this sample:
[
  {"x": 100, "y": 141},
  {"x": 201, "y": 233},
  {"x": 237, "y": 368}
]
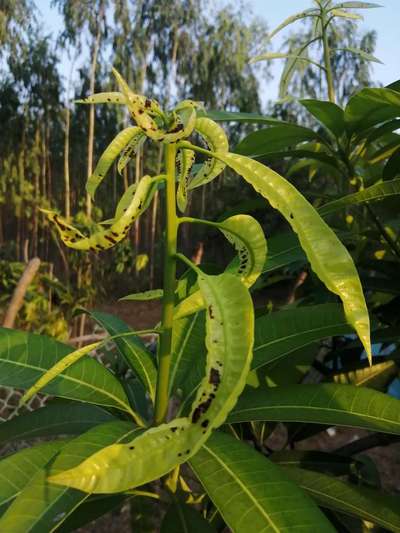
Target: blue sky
[{"x": 385, "y": 20}]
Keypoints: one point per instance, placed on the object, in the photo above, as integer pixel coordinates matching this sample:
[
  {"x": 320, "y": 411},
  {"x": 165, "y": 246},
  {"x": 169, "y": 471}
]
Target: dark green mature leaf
[
  {"x": 378, "y": 191},
  {"x": 17, "y": 469},
  {"x": 338, "y": 405},
  {"x": 250, "y": 492},
  {"x": 274, "y": 139},
  {"x": 368, "y": 504},
  {"x": 181, "y": 518},
  {"x": 41, "y": 506},
  {"x": 281, "y": 333},
  {"x": 329, "y": 463},
  {"x": 369, "y": 107},
  {"x": 58, "y": 418},
  {"x": 283, "y": 249},
  {"x": 392, "y": 167},
  {"x": 131, "y": 349},
  {"x": 328, "y": 114},
  {"x": 94, "y": 507},
  {"x": 25, "y": 357}
]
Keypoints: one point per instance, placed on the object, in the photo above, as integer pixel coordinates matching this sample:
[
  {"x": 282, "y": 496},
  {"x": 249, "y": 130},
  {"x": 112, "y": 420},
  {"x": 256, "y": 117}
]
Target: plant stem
[
  {"x": 327, "y": 60},
  {"x": 164, "y": 351}
]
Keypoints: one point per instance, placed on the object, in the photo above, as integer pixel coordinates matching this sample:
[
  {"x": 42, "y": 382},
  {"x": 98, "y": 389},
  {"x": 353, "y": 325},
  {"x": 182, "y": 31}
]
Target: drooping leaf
[
  {"x": 279, "y": 334},
  {"x": 130, "y": 150},
  {"x": 184, "y": 163},
  {"x": 294, "y": 18},
  {"x": 251, "y": 492},
  {"x": 363, "y": 502},
  {"x": 327, "y": 403},
  {"x": 229, "y": 341},
  {"x": 113, "y": 150},
  {"x": 131, "y": 349},
  {"x": 59, "y": 418},
  {"x": 155, "y": 294},
  {"x": 328, "y": 114},
  {"x": 25, "y": 357},
  {"x": 215, "y": 138},
  {"x": 329, "y": 259},
  {"x": 357, "y": 51},
  {"x": 105, "y": 238},
  {"x": 276, "y": 55},
  {"x": 17, "y": 469},
  {"x": 378, "y": 191},
  {"x": 181, "y": 518},
  {"x": 42, "y": 506}
]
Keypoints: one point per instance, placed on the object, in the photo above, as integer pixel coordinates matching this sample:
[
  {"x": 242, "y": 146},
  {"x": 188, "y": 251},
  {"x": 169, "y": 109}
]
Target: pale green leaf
[
  {"x": 155, "y": 294},
  {"x": 294, "y": 18},
  {"x": 358, "y": 52},
  {"x": 345, "y": 14}
]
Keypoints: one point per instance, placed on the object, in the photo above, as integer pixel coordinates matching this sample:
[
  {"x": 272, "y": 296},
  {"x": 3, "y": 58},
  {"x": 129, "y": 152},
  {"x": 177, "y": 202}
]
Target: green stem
[
  {"x": 327, "y": 61},
  {"x": 165, "y": 346}
]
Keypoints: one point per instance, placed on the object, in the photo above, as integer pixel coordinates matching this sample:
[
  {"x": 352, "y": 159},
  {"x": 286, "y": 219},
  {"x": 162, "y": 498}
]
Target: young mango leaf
[
  {"x": 293, "y": 18},
  {"x": 154, "y": 294},
  {"x": 345, "y": 14},
  {"x": 25, "y": 357},
  {"x": 42, "y": 506},
  {"x": 377, "y": 376},
  {"x": 215, "y": 138},
  {"x": 276, "y": 55},
  {"x": 104, "y": 239},
  {"x": 17, "y": 469},
  {"x": 329, "y": 259},
  {"x": 338, "y": 405},
  {"x": 130, "y": 150},
  {"x": 103, "y": 98},
  {"x": 355, "y": 5},
  {"x": 183, "y": 518},
  {"x": 362, "y": 502},
  {"x": 247, "y": 236},
  {"x": 229, "y": 341},
  {"x": 237, "y": 116},
  {"x": 184, "y": 163},
  {"x": 109, "y": 155},
  {"x": 56, "y": 370},
  {"x": 279, "y": 334},
  {"x": 131, "y": 348},
  {"x": 274, "y": 139},
  {"x": 364, "y": 55},
  {"x": 56, "y": 418},
  {"x": 378, "y": 191},
  {"x": 252, "y": 493},
  {"x": 328, "y": 114}
]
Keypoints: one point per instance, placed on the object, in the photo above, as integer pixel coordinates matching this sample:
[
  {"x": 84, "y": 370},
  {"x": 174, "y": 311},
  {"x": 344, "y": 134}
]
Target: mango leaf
[
  {"x": 392, "y": 167},
  {"x": 237, "y": 116},
  {"x": 363, "y": 502},
  {"x": 273, "y": 139},
  {"x": 251, "y": 492},
  {"x": 293, "y": 18},
  {"x": 338, "y": 405},
  {"x": 229, "y": 341},
  {"x": 328, "y": 114},
  {"x": 42, "y": 506},
  {"x": 188, "y": 353},
  {"x": 109, "y": 155},
  {"x": 277, "y": 55},
  {"x": 56, "y": 370},
  {"x": 56, "y": 418},
  {"x": 369, "y": 107},
  {"x": 17, "y": 469},
  {"x": 377, "y": 376},
  {"x": 25, "y": 357},
  {"x": 345, "y": 14},
  {"x": 155, "y": 294},
  {"x": 328, "y": 463},
  {"x": 329, "y": 259},
  {"x": 378, "y": 191},
  {"x": 103, "y": 98},
  {"x": 355, "y": 5},
  {"x": 131, "y": 348},
  {"x": 357, "y": 51},
  {"x": 181, "y": 518},
  {"x": 281, "y": 333},
  {"x": 184, "y": 162},
  {"x": 283, "y": 249},
  {"x": 216, "y": 139}
]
